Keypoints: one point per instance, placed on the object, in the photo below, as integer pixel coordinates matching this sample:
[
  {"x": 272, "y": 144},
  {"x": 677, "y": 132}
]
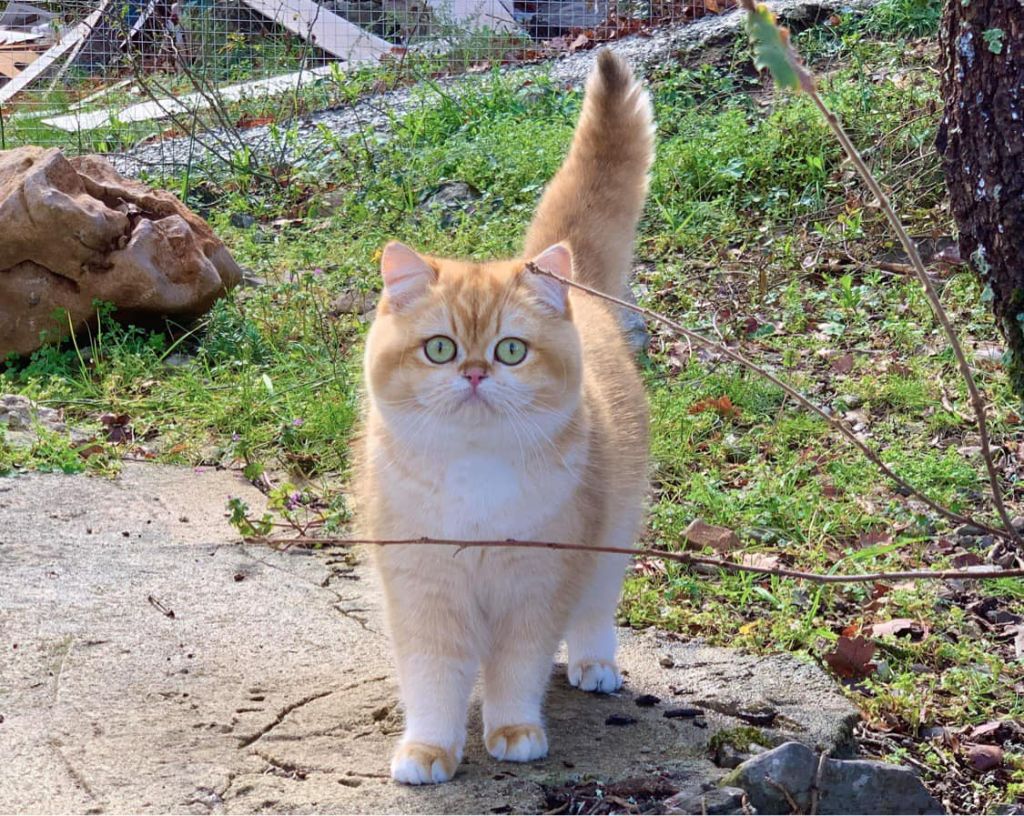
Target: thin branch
[
  {"x": 736, "y": 357},
  {"x": 679, "y": 557},
  {"x": 807, "y": 85}
]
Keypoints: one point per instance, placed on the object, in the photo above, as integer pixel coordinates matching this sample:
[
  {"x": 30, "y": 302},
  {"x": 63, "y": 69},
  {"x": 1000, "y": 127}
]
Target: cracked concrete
[{"x": 150, "y": 663}]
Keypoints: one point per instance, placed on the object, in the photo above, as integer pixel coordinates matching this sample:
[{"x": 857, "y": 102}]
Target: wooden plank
[
  {"x": 323, "y": 28},
  {"x": 14, "y": 61},
  {"x": 68, "y": 41},
  {"x": 492, "y": 14},
  {"x": 146, "y": 111}
]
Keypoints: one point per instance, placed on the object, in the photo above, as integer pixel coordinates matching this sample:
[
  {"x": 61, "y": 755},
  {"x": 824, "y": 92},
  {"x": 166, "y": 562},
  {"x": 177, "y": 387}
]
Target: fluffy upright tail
[{"x": 595, "y": 200}]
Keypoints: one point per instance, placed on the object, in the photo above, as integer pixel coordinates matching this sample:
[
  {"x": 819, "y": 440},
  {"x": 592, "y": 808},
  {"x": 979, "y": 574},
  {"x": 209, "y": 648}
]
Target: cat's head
[{"x": 461, "y": 345}]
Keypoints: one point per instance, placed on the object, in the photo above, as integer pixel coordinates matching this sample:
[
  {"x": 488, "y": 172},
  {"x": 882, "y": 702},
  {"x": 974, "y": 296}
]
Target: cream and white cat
[{"x": 503, "y": 406}]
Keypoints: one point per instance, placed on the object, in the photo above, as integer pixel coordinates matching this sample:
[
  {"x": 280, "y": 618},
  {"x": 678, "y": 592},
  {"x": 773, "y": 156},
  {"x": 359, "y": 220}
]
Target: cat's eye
[
  {"x": 439, "y": 349},
  {"x": 510, "y": 351}
]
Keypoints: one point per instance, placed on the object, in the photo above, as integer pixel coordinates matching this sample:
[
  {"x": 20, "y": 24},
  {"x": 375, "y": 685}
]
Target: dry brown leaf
[
  {"x": 984, "y": 757},
  {"x": 852, "y": 657}
]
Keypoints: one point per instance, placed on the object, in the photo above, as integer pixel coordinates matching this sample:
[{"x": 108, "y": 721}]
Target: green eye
[
  {"x": 439, "y": 349},
  {"x": 511, "y": 351}
]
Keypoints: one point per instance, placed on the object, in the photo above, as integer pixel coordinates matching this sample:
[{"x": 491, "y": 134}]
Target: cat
[{"x": 501, "y": 404}]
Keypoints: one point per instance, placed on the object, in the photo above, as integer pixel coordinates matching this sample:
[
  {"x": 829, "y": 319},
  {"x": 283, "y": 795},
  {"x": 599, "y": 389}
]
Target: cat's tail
[{"x": 595, "y": 200}]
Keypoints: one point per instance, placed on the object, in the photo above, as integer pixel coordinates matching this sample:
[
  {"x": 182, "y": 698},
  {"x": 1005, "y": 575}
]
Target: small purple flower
[
  {"x": 318, "y": 272},
  {"x": 236, "y": 437},
  {"x": 293, "y": 501},
  {"x": 298, "y": 422}
]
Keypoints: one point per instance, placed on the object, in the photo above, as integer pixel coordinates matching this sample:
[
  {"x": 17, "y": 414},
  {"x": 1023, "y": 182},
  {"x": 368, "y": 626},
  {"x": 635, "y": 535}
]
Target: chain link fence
[{"x": 131, "y": 77}]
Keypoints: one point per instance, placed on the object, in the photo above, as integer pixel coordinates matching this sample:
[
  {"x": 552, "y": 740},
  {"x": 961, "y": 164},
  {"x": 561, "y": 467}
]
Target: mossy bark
[{"x": 981, "y": 140}]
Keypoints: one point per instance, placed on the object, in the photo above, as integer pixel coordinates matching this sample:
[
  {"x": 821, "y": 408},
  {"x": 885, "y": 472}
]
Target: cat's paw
[
  {"x": 517, "y": 743},
  {"x": 595, "y": 675},
  {"x": 417, "y": 763}
]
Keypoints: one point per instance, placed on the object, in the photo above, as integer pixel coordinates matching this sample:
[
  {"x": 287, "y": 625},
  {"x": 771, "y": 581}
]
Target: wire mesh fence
[{"x": 159, "y": 78}]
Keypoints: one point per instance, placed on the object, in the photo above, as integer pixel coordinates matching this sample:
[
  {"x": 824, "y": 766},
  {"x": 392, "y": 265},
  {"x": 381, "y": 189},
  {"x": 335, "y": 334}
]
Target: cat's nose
[{"x": 475, "y": 375}]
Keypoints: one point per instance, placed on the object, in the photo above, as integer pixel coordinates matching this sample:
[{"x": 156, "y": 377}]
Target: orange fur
[{"x": 552, "y": 448}]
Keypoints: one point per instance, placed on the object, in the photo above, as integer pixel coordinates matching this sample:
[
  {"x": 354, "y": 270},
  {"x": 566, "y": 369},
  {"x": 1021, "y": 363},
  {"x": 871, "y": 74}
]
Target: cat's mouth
[{"x": 474, "y": 398}]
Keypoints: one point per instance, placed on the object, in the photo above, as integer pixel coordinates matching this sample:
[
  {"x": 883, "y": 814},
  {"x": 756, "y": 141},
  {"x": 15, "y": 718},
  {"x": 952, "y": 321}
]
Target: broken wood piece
[
  {"x": 323, "y": 28},
  {"x": 162, "y": 108},
  {"x": 68, "y": 41},
  {"x": 14, "y": 60}
]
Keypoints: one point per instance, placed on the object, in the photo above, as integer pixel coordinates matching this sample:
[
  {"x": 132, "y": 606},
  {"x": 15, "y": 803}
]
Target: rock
[
  {"x": 451, "y": 197},
  {"x": 165, "y": 714},
  {"x": 847, "y": 786},
  {"x": 633, "y": 325},
  {"x": 76, "y": 231},
  {"x": 849, "y": 401},
  {"x": 713, "y": 801},
  {"x": 354, "y": 302},
  {"x": 21, "y": 419},
  {"x": 242, "y": 220},
  {"x": 969, "y": 531},
  {"x": 702, "y": 534}
]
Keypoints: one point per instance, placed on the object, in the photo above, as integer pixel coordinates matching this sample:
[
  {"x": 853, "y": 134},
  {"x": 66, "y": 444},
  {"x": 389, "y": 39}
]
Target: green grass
[{"x": 757, "y": 232}]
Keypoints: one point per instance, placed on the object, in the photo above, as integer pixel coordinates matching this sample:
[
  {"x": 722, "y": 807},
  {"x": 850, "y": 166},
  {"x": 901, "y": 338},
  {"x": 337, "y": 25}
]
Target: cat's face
[{"x": 460, "y": 347}]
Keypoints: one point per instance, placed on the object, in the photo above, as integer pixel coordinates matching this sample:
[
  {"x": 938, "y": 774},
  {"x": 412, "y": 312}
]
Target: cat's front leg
[
  {"x": 437, "y": 661},
  {"x": 516, "y": 674}
]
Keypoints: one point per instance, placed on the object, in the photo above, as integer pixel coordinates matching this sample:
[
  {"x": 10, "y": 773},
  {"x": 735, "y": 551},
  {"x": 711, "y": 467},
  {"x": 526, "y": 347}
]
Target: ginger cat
[{"x": 503, "y": 406}]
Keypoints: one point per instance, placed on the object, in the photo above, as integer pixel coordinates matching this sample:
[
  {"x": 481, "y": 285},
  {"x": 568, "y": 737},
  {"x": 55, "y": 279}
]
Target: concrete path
[{"x": 149, "y": 662}]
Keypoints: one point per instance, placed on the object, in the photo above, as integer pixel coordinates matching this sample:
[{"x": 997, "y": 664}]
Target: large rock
[
  {"x": 76, "y": 231},
  {"x": 151, "y": 663},
  {"x": 846, "y": 786}
]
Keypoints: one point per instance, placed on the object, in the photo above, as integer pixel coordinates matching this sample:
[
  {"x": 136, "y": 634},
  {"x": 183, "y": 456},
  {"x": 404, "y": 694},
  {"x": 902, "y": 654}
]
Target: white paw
[
  {"x": 595, "y": 675},
  {"x": 416, "y": 763},
  {"x": 517, "y": 743}
]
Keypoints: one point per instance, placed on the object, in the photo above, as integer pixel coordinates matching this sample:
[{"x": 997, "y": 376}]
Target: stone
[
  {"x": 451, "y": 197},
  {"x": 715, "y": 800},
  {"x": 242, "y": 220},
  {"x": 701, "y": 534},
  {"x": 277, "y": 692},
  {"x": 847, "y": 786},
  {"x": 21, "y": 420},
  {"x": 75, "y": 232}
]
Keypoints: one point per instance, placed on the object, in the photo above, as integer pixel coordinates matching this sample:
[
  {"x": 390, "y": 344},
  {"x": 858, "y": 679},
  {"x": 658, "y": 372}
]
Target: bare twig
[
  {"x": 816, "y": 787},
  {"x": 736, "y": 357},
  {"x": 679, "y": 557},
  {"x": 807, "y": 85},
  {"x": 793, "y": 806}
]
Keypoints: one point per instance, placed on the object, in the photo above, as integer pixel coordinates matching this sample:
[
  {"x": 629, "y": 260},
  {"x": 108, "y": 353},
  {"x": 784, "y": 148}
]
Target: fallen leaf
[
  {"x": 988, "y": 729},
  {"x": 722, "y": 406},
  {"x": 702, "y": 534},
  {"x": 843, "y": 365},
  {"x": 760, "y": 560},
  {"x": 582, "y": 41},
  {"x": 984, "y": 757},
  {"x": 852, "y": 657}
]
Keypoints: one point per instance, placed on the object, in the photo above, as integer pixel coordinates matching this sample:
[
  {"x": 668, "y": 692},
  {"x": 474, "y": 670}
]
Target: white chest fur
[{"x": 478, "y": 495}]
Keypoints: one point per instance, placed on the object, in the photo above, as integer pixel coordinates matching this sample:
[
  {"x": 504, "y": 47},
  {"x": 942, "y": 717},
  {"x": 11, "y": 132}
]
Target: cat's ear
[
  {"x": 552, "y": 293},
  {"x": 406, "y": 274}
]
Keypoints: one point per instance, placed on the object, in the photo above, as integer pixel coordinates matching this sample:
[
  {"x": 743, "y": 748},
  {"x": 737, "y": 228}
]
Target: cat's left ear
[
  {"x": 552, "y": 293},
  {"x": 406, "y": 274}
]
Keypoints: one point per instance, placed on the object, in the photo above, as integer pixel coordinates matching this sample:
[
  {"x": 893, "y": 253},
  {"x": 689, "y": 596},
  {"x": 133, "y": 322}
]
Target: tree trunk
[{"x": 981, "y": 140}]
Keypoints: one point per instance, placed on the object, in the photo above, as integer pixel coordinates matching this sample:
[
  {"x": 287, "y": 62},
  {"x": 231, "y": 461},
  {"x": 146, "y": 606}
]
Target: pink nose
[{"x": 475, "y": 375}]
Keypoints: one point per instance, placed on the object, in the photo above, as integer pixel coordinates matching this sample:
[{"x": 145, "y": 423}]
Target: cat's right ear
[{"x": 406, "y": 274}]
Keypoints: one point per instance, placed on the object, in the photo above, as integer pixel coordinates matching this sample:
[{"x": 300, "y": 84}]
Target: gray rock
[
  {"x": 18, "y": 413},
  {"x": 242, "y": 220},
  {"x": 451, "y": 197},
  {"x": 847, "y": 786},
  {"x": 713, "y": 801},
  {"x": 275, "y": 691},
  {"x": 850, "y": 401}
]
